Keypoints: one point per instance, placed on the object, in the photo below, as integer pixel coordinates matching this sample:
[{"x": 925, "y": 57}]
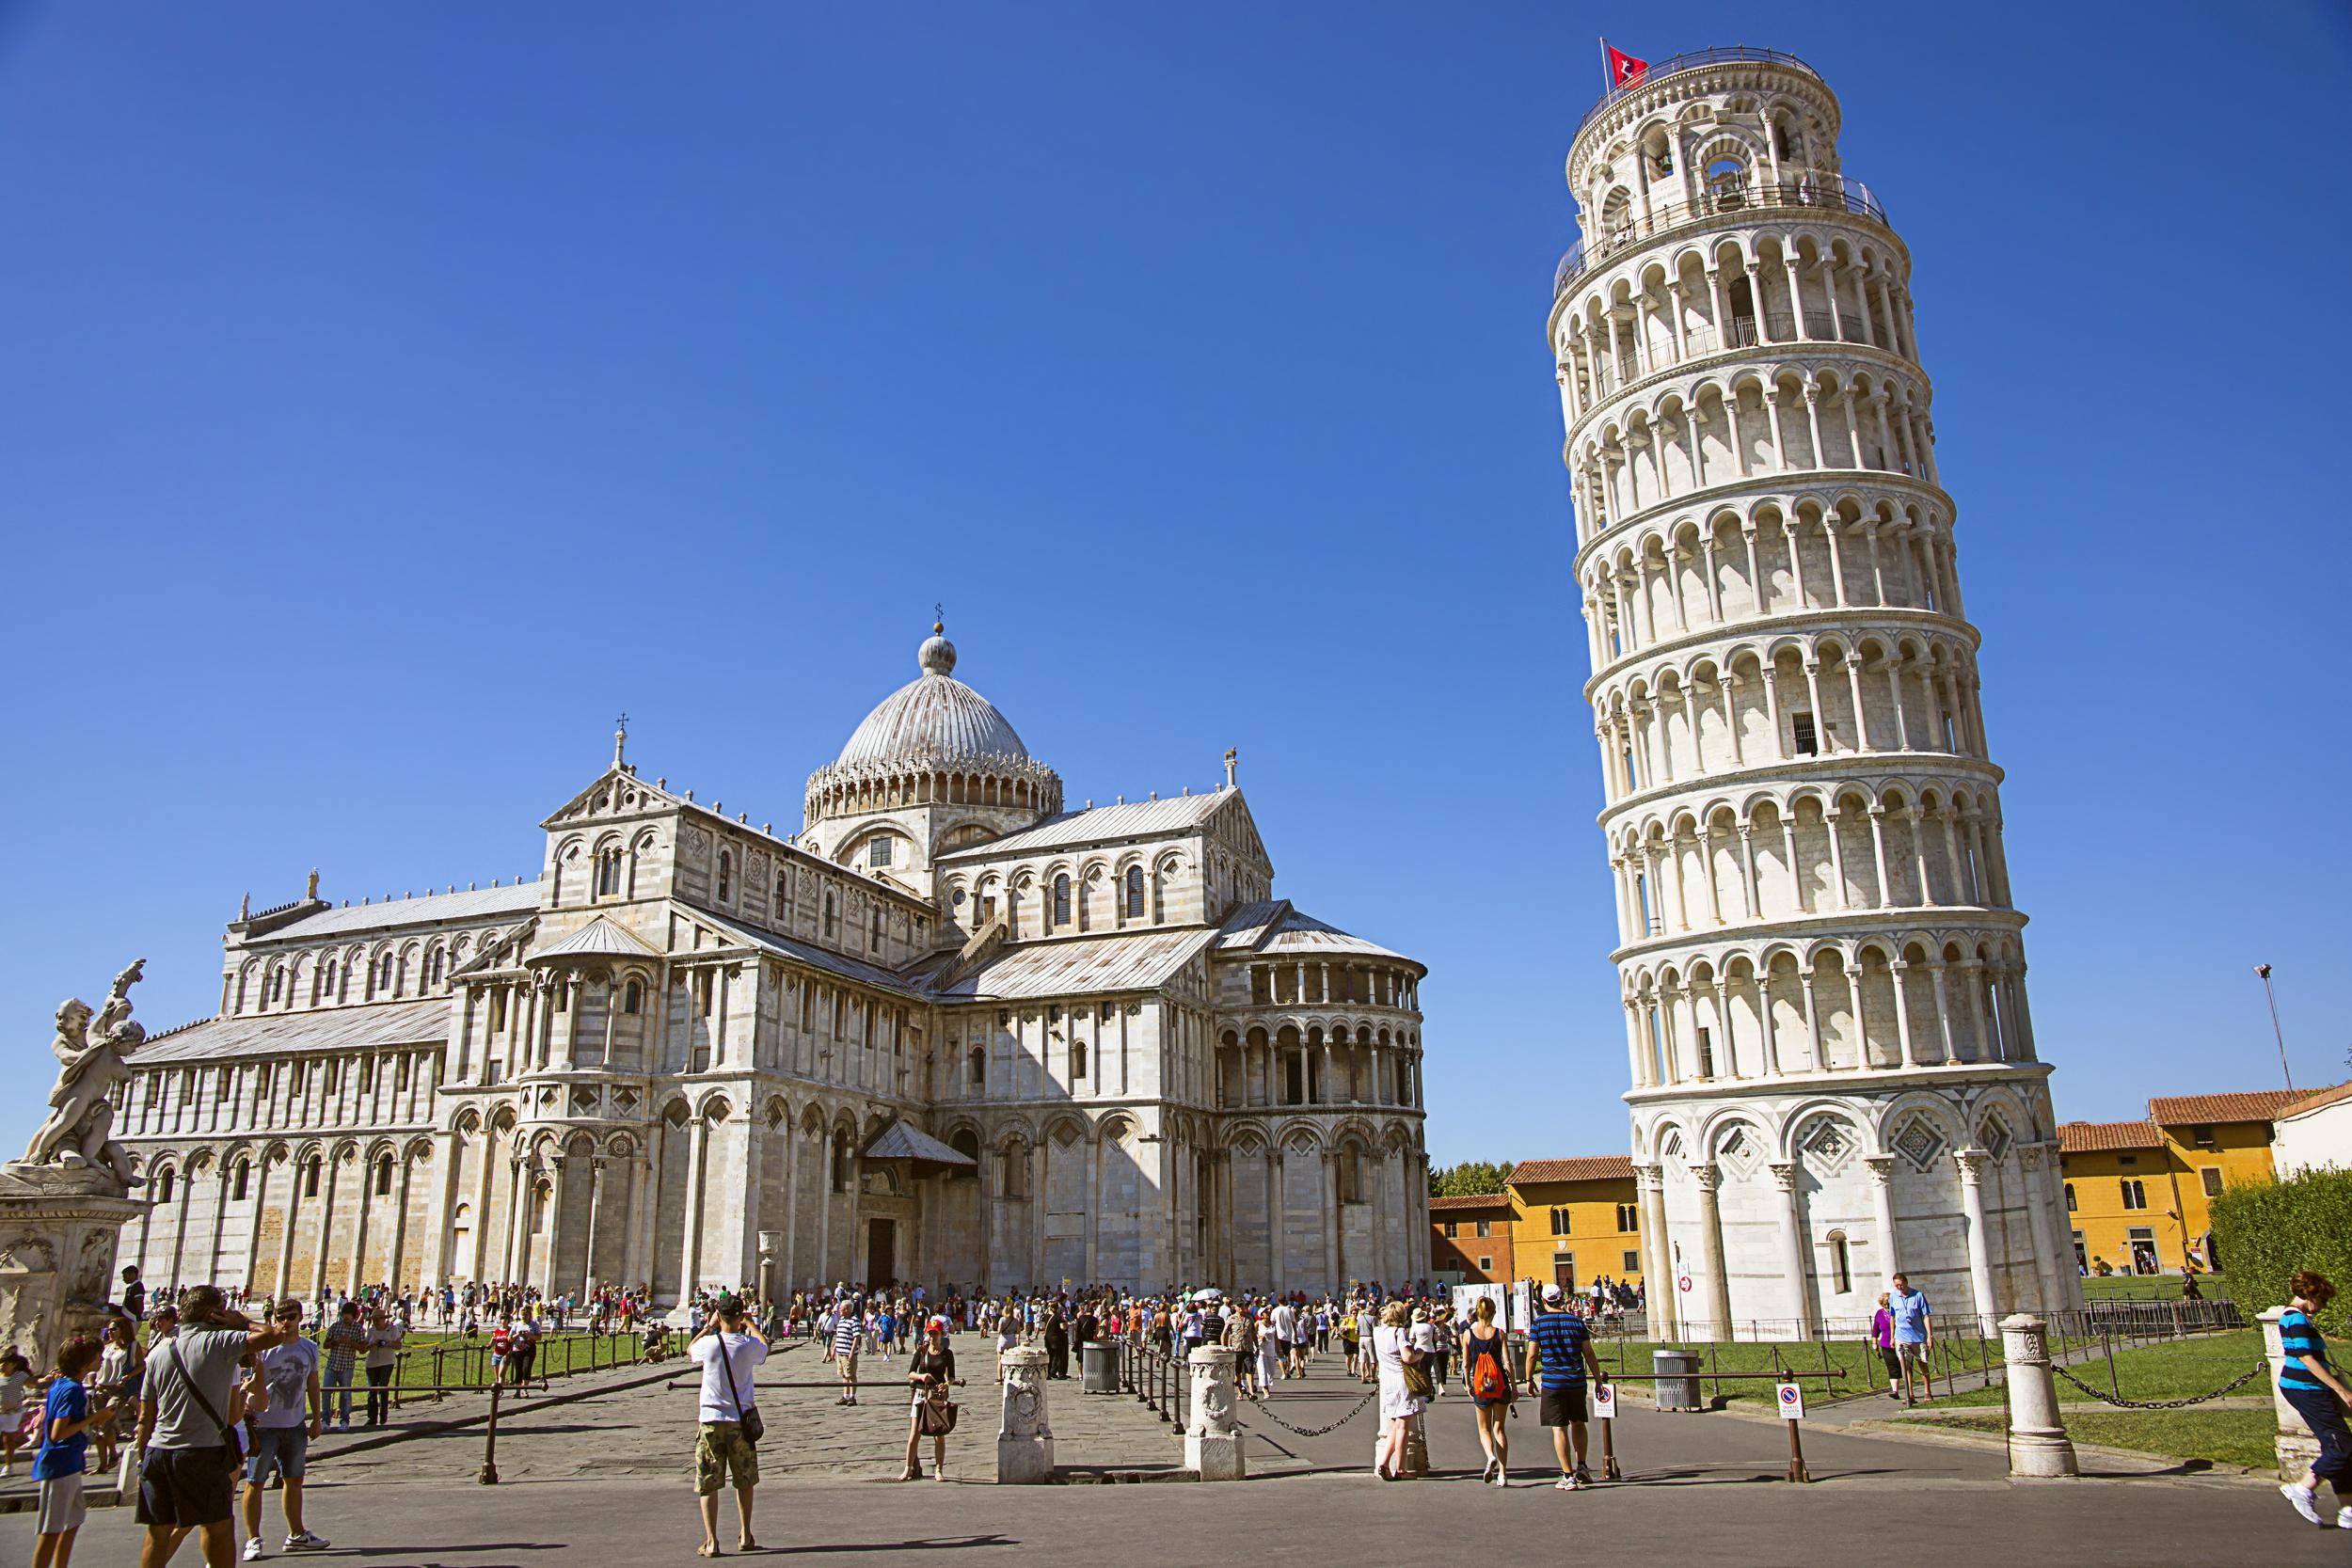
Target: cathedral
[{"x": 950, "y": 1032}]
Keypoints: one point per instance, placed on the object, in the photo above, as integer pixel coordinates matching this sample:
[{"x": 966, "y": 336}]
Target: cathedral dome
[
  {"x": 934, "y": 718},
  {"x": 934, "y": 741}
]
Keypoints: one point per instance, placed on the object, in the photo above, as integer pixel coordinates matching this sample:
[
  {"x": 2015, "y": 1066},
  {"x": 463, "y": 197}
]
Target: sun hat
[{"x": 1551, "y": 1291}]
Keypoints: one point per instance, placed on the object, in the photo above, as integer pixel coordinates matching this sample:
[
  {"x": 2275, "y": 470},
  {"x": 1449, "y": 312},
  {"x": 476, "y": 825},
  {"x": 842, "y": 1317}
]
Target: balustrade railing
[
  {"x": 1738, "y": 54},
  {"x": 1830, "y": 192}
]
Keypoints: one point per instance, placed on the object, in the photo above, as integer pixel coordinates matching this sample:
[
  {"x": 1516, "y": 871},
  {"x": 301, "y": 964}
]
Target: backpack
[{"x": 1487, "y": 1380}]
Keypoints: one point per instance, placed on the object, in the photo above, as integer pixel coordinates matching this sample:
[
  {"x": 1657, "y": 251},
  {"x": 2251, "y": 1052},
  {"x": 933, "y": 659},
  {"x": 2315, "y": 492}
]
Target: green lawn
[
  {"x": 1856, "y": 1361},
  {"x": 2227, "y": 1436},
  {"x": 468, "y": 1361},
  {"x": 2173, "y": 1369},
  {"x": 2152, "y": 1287}
]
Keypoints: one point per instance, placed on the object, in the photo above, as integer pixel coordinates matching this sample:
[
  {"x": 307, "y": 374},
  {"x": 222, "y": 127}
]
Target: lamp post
[{"x": 2264, "y": 970}]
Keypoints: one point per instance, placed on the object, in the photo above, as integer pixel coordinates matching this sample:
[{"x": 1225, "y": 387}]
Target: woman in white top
[{"x": 1391, "y": 1349}]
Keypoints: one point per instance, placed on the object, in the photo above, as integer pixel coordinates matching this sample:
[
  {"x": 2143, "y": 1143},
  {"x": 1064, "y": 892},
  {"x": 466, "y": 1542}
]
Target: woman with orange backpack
[{"x": 1486, "y": 1372}]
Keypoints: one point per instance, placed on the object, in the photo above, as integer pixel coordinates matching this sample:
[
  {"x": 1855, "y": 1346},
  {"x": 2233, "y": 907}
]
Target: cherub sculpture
[{"x": 91, "y": 1048}]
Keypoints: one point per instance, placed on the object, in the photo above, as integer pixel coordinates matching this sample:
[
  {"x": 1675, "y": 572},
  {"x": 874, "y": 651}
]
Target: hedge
[{"x": 2265, "y": 1231}]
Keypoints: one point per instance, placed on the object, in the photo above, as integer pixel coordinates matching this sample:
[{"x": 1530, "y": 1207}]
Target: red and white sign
[
  {"x": 1684, "y": 1284},
  {"x": 1791, "y": 1401},
  {"x": 1605, "y": 1402},
  {"x": 1624, "y": 70}
]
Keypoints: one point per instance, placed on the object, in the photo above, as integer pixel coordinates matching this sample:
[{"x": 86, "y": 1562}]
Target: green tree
[
  {"x": 1471, "y": 1179},
  {"x": 2265, "y": 1231}
]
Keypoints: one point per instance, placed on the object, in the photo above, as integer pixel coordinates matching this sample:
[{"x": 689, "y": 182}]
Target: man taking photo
[
  {"x": 729, "y": 1348},
  {"x": 188, "y": 1455}
]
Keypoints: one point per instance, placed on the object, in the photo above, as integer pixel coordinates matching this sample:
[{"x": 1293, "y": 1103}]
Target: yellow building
[
  {"x": 1575, "y": 1221},
  {"x": 2139, "y": 1194}
]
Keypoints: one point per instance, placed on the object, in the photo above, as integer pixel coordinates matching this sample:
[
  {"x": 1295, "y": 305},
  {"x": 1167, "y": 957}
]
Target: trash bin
[
  {"x": 1098, "y": 1369},
  {"x": 1677, "y": 1381}
]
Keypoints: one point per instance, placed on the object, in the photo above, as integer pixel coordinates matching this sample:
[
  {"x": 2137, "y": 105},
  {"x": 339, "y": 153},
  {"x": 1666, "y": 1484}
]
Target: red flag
[{"x": 1624, "y": 70}]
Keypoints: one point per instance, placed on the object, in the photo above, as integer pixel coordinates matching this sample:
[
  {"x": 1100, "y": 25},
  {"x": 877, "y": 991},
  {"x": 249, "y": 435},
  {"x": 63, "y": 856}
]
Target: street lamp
[{"x": 2264, "y": 970}]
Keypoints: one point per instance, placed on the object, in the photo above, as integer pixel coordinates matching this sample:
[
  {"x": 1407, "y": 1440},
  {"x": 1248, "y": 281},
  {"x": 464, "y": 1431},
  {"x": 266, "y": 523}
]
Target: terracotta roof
[
  {"x": 2094, "y": 1137},
  {"x": 2260, "y": 1106},
  {"x": 2313, "y": 1102},
  {"x": 1591, "y": 1167},
  {"x": 1476, "y": 1200}
]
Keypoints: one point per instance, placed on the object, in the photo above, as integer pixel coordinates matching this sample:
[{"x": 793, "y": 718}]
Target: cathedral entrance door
[{"x": 880, "y": 1263}]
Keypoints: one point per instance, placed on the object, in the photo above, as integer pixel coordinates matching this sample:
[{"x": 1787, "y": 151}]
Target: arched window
[
  {"x": 726, "y": 875},
  {"x": 1135, "y": 893},
  {"x": 163, "y": 1188},
  {"x": 609, "y": 872},
  {"x": 327, "y": 977},
  {"x": 840, "y": 1162},
  {"x": 433, "y": 968},
  {"x": 632, "y": 997},
  {"x": 979, "y": 1067},
  {"x": 384, "y": 1176},
  {"x": 1840, "y": 1263},
  {"x": 311, "y": 1176},
  {"x": 784, "y": 894},
  {"x": 1726, "y": 181},
  {"x": 1077, "y": 1058},
  {"x": 874, "y": 933},
  {"x": 1061, "y": 900},
  {"x": 829, "y": 914},
  {"x": 245, "y": 1168}
]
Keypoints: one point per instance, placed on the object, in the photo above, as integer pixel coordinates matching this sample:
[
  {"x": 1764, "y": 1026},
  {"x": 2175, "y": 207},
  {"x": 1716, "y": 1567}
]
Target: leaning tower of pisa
[{"x": 1834, "y": 1073}]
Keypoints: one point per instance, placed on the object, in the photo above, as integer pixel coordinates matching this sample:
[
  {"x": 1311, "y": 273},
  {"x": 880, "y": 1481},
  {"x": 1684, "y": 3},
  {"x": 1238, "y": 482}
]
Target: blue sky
[{"x": 390, "y": 395}]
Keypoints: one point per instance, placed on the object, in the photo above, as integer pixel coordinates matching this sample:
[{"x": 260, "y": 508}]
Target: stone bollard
[
  {"x": 2037, "y": 1444},
  {"x": 1212, "y": 1442},
  {"x": 2296, "y": 1446},
  {"x": 1025, "y": 1440},
  {"x": 1413, "y": 1462}
]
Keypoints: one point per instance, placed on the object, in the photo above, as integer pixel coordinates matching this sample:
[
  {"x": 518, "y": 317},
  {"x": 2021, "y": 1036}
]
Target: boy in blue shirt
[
  {"x": 65, "y": 1421},
  {"x": 1913, "y": 1334}
]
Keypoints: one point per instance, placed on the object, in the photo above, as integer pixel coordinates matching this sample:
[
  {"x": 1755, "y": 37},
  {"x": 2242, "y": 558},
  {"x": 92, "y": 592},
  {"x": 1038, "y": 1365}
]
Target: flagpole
[{"x": 1608, "y": 78}]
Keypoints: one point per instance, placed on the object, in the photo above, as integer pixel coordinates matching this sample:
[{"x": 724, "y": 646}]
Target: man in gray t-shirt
[{"x": 188, "y": 1460}]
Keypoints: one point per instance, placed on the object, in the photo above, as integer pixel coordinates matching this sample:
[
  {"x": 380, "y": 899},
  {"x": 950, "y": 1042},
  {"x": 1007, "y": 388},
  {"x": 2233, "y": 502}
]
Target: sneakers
[
  {"x": 1564, "y": 1484},
  {"x": 254, "y": 1551},
  {"x": 2344, "y": 1518},
  {"x": 2302, "y": 1501},
  {"x": 1581, "y": 1480},
  {"x": 306, "y": 1542},
  {"x": 1488, "y": 1473}
]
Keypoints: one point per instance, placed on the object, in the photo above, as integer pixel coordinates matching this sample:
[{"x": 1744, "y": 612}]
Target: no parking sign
[
  {"x": 1605, "y": 1402},
  {"x": 1791, "y": 1401}
]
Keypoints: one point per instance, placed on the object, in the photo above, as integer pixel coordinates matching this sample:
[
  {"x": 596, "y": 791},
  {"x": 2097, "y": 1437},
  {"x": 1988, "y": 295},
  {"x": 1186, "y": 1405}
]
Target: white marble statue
[{"x": 91, "y": 1049}]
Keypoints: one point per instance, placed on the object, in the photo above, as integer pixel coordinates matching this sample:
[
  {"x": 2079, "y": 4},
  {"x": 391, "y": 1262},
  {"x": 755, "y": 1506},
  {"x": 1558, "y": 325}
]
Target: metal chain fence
[
  {"x": 1352, "y": 1411},
  {"x": 2260, "y": 1368}
]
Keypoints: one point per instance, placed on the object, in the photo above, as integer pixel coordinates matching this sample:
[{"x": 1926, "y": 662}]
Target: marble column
[
  {"x": 1972, "y": 1164},
  {"x": 1787, "y": 1175},
  {"x": 1890, "y": 1262},
  {"x": 1707, "y": 1176},
  {"x": 691, "y": 1248},
  {"x": 1658, "y": 1274}
]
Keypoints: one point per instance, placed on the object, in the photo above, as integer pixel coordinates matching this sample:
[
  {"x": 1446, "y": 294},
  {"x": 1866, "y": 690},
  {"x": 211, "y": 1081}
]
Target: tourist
[
  {"x": 522, "y": 1355},
  {"x": 1267, "y": 1348},
  {"x": 729, "y": 1348},
  {"x": 2308, "y": 1381},
  {"x": 1007, "y": 1339},
  {"x": 1915, "y": 1335},
  {"x": 1284, "y": 1324},
  {"x": 120, "y": 1362},
  {"x": 842, "y": 1351},
  {"x": 64, "y": 1453},
  {"x": 133, "y": 1293},
  {"x": 930, "y": 1373},
  {"x": 1392, "y": 1352},
  {"x": 16, "y": 1375},
  {"x": 1440, "y": 1345},
  {"x": 1559, "y": 1354},
  {"x": 384, "y": 1337},
  {"x": 1882, "y": 1336},
  {"x": 1487, "y": 1373},
  {"x": 344, "y": 1342},
  {"x": 187, "y": 1447},
  {"x": 1057, "y": 1345},
  {"x": 281, "y": 1433},
  {"x": 1349, "y": 1339}
]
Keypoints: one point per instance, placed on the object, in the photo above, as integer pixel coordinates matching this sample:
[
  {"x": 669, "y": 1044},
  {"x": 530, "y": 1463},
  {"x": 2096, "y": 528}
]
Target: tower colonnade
[{"x": 1832, "y": 1066}]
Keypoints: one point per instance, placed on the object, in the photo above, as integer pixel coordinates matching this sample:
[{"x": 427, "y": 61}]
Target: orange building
[
  {"x": 1472, "y": 1236},
  {"x": 2139, "y": 1194}
]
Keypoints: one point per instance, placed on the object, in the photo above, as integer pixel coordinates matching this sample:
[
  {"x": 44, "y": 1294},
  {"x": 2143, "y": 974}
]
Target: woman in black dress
[{"x": 932, "y": 1371}]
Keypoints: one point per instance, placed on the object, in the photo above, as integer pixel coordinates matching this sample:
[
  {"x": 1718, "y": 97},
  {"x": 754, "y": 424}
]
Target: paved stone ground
[{"x": 1708, "y": 1484}]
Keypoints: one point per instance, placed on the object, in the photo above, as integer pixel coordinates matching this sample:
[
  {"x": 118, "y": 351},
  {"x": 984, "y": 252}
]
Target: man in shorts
[
  {"x": 282, "y": 1431},
  {"x": 1559, "y": 1357},
  {"x": 848, "y": 1328},
  {"x": 188, "y": 1465},
  {"x": 729, "y": 1348},
  {"x": 1913, "y": 1333}
]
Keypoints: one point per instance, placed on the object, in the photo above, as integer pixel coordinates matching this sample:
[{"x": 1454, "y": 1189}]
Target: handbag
[
  {"x": 937, "y": 1416},
  {"x": 747, "y": 1417}
]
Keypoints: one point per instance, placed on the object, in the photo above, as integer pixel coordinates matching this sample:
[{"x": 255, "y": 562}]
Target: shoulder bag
[{"x": 747, "y": 1417}]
